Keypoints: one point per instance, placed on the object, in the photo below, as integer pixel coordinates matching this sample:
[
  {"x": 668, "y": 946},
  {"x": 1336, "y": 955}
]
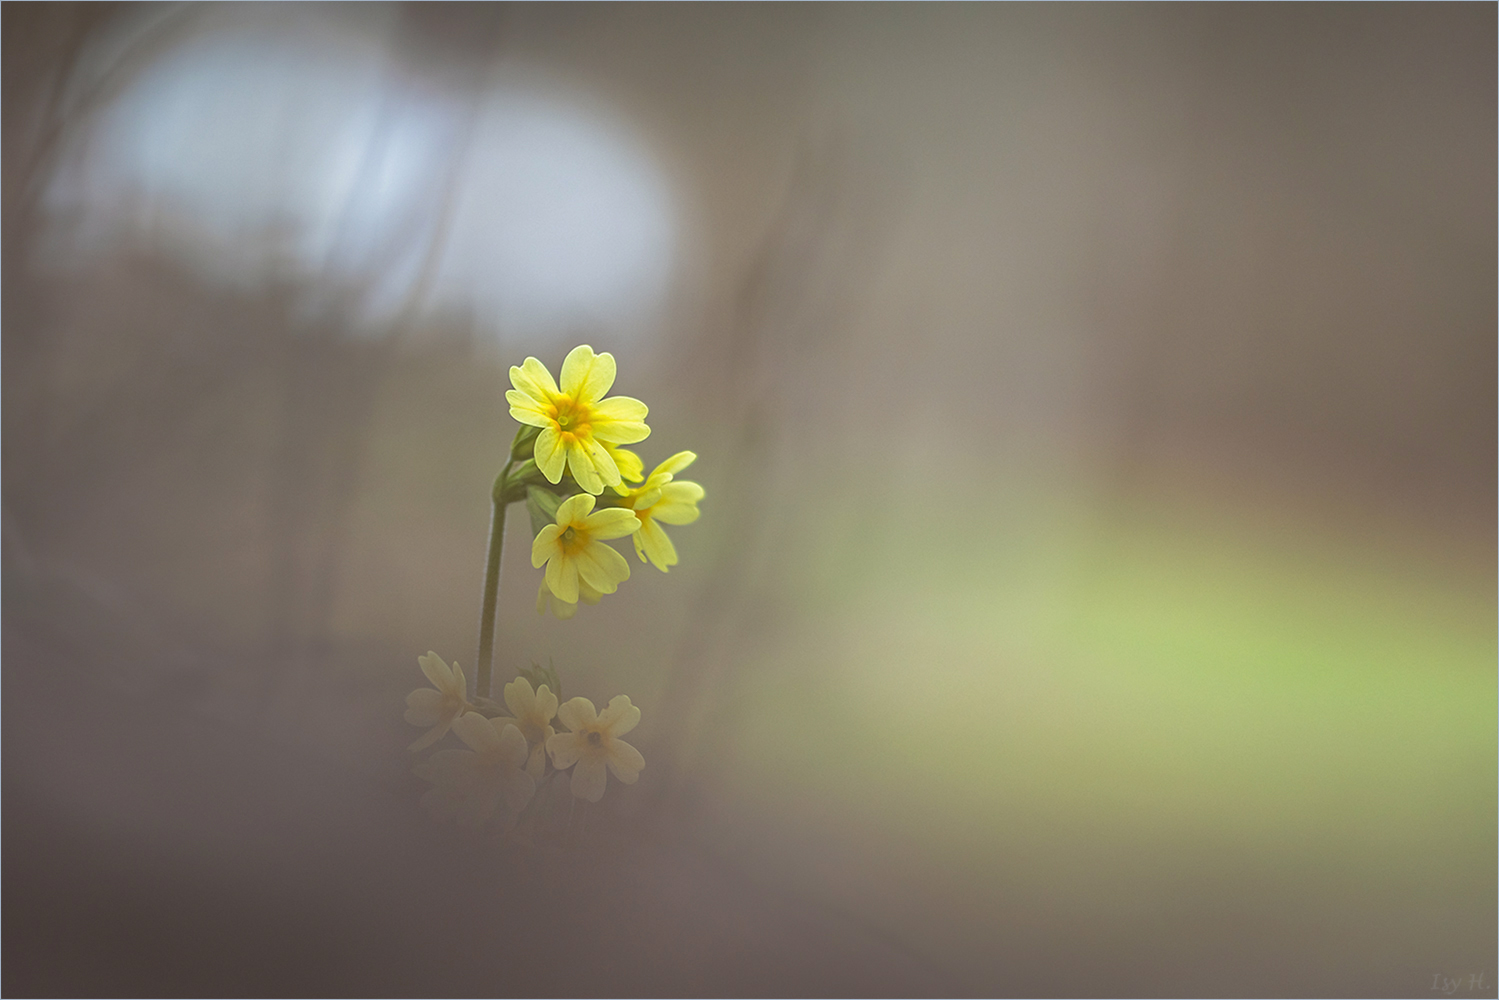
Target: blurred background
[{"x": 1095, "y": 587}]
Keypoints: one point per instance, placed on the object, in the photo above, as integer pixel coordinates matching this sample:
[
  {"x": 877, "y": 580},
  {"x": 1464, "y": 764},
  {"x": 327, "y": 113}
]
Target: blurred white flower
[
  {"x": 470, "y": 785},
  {"x": 534, "y": 711},
  {"x": 437, "y": 708},
  {"x": 594, "y": 744}
]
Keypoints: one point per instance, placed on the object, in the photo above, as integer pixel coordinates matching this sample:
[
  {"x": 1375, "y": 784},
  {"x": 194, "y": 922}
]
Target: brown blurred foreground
[{"x": 1094, "y": 590}]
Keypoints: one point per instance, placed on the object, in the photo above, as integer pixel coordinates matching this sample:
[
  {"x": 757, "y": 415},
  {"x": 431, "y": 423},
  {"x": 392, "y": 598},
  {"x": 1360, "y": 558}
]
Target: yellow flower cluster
[
  {"x": 579, "y": 427},
  {"x": 582, "y": 489},
  {"x": 438, "y": 706},
  {"x": 581, "y": 433},
  {"x": 507, "y": 756}
]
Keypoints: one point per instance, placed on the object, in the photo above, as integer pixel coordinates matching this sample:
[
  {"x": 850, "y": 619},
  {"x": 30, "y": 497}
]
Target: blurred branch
[
  {"x": 424, "y": 29},
  {"x": 62, "y": 115},
  {"x": 795, "y": 301}
]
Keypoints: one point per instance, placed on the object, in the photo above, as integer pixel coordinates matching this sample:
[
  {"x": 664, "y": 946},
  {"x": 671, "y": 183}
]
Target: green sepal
[
  {"x": 538, "y": 675},
  {"x": 542, "y": 506},
  {"x": 513, "y": 489},
  {"x": 524, "y": 445},
  {"x": 526, "y": 475},
  {"x": 488, "y": 707}
]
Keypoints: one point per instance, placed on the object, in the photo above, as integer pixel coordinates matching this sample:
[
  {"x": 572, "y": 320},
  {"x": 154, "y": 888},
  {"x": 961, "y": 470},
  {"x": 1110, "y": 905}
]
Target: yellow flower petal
[
  {"x": 546, "y": 704},
  {"x": 676, "y": 463},
  {"x": 601, "y": 568},
  {"x": 678, "y": 504},
  {"x": 566, "y": 748},
  {"x": 621, "y": 431},
  {"x": 545, "y": 546},
  {"x": 509, "y": 744},
  {"x": 519, "y": 697},
  {"x": 574, "y": 509},
  {"x": 619, "y": 717},
  {"x": 474, "y": 730},
  {"x": 527, "y": 410},
  {"x": 589, "y": 778},
  {"x": 536, "y": 763},
  {"x": 424, "y": 707},
  {"x": 631, "y": 468},
  {"x": 580, "y": 464},
  {"x": 618, "y": 409},
  {"x": 681, "y": 491},
  {"x": 603, "y": 460},
  {"x": 647, "y": 499},
  {"x": 611, "y": 522},
  {"x": 652, "y": 540},
  {"x": 576, "y": 713},
  {"x": 533, "y": 379},
  {"x": 437, "y": 671},
  {"x": 551, "y": 456},
  {"x": 586, "y": 376},
  {"x": 624, "y": 761},
  {"x": 562, "y": 580}
]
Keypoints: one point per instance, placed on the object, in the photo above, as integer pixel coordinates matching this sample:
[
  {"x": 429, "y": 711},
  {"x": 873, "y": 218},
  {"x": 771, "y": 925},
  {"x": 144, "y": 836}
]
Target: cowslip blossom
[
  {"x": 577, "y": 423},
  {"x": 573, "y": 549},
  {"x": 631, "y": 467},
  {"x": 662, "y": 499},
  {"x": 594, "y": 745},
  {"x": 533, "y": 711},
  {"x": 469, "y": 785},
  {"x": 440, "y": 707}
]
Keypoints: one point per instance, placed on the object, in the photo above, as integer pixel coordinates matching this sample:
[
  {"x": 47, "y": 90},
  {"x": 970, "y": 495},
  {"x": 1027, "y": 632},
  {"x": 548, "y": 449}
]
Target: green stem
[{"x": 491, "y": 584}]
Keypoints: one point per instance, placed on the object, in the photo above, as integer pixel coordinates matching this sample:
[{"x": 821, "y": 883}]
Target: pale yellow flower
[
  {"x": 577, "y": 423},
  {"x": 534, "y": 711},
  {"x": 631, "y": 468},
  {"x": 662, "y": 499},
  {"x": 594, "y": 744},
  {"x": 469, "y": 785},
  {"x": 573, "y": 549},
  {"x": 437, "y": 708},
  {"x": 546, "y": 601}
]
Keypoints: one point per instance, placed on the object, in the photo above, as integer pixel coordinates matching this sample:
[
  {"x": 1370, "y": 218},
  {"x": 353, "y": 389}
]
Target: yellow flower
[
  {"x": 574, "y": 552},
  {"x": 578, "y": 425},
  {"x": 534, "y": 711},
  {"x": 661, "y": 499},
  {"x": 469, "y": 785},
  {"x": 631, "y": 468},
  {"x": 438, "y": 709},
  {"x": 595, "y": 744},
  {"x": 546, "y": 601}
]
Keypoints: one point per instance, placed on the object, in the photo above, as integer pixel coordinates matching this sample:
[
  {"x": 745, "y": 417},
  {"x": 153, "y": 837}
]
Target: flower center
[
  {"x": 573, "y": 540},
  {"x": 594, "y": 739},
  {"x": 572, "y": 417}
]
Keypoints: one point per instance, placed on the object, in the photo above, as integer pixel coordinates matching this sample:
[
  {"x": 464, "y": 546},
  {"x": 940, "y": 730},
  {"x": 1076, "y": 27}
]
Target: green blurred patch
[{"x": 1097, "y": 713}]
